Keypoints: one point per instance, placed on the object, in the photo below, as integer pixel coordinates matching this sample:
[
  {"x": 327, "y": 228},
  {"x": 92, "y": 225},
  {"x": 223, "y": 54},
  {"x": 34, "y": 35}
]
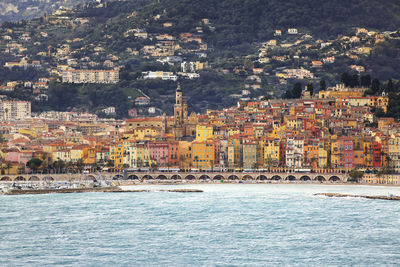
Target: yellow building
[
  {"x": 31, "y": 132},
  {"x": 271, "y": 152},
  {"x": 143, "y": 155},
  {"x": 89, "y": 155},
  {"x": 358, "y": 101},
  {"x": 77, "y": 153},
  {"x": 339, "y": 94},
  {"x": 203, "y": 155},
  {"x": 335, "y": 154},
  {"x": 394, "y": 152},
  {"x": 64, "y": 155},
  {"x": 130, "y": 155},
  {"x": 370, "y": 178},
  {"x": 185, "y": 155},
  {"x": 379, "y": 102},
  {"x": 367, "y": 147},
  {"x": 323, "y": 149},
  {"x": 204, "y": 132},
  {"x": 146, "y": 133},
  {"x": 231, "y": 155},
  {"x": 117, "y": 155}
]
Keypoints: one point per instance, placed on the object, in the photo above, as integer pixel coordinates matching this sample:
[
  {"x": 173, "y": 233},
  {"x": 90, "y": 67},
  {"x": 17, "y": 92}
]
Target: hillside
[
  {"x": 234, "y": 42},
  {"x": 239, "y": 21}
]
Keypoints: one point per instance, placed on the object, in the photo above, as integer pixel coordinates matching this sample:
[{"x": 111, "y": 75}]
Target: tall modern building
[
  {"x": 15, "y": 110},
  {"x": 90, "y": 76}
]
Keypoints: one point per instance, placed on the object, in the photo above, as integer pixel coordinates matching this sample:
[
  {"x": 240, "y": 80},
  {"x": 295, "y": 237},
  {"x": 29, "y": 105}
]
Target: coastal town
[
  {"x": 72, "y": 105},
  {"x": 334, "y": 131},
  {"x": 199, "y": 133}
]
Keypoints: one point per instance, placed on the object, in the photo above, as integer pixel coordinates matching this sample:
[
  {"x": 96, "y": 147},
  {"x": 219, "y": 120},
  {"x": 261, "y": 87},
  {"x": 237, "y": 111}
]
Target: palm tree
[
  {"x": 21, "y": 170},
  {"x": 8, "y": 167}
]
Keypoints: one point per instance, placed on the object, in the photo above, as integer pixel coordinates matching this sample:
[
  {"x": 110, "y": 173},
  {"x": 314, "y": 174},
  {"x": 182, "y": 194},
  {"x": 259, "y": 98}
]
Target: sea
[{"x": 226, "y": 225}]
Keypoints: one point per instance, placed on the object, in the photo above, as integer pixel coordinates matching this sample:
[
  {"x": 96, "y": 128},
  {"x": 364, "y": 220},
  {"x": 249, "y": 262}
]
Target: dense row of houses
[{"x": 322, "y": 134}]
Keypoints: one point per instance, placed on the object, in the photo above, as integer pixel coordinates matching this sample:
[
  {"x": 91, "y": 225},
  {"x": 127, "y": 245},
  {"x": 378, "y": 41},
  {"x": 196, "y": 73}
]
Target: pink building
[
  {"x": 346, "y": 146},
  {"x": 16, "y": 156},
  {"x": 158, "y": 151},
  {"x": 217, "y": 150}
]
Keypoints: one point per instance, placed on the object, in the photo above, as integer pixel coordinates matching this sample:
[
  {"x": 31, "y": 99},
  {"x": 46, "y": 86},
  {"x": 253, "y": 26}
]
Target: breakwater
[
  {"x": 88, "y": 190},
  {"x": 358, "y": 196}
]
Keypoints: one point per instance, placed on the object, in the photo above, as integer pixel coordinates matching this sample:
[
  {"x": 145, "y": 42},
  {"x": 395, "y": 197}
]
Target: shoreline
[{"x": 118, "y": 186}]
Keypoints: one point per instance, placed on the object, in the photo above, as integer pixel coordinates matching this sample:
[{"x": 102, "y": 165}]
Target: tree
[
  {"x": 355, "y": 81},
  {"x": 296, "y": 92},
  {"x": 2, "y": 139},
  {"x": 390, "y": 86},
  {"x": 355, "y": 175},
  {"x": 34, "y": 164},
  {"x": 379, "y": 112},
  {"x": 21, "y": 169},
  {"x": 8, "y": 167},
  {"x": 110, "y": 163},
  {"x": 288, "y": 94},
  {"x": 346, "y": 79},
  {"x": 310, "y": 88},
  {"x": 375, "y": 86},
  {"x": 79, "y": 165},
  {"x": 366, "y": 80},
  {"x": 322, "y": 85}
]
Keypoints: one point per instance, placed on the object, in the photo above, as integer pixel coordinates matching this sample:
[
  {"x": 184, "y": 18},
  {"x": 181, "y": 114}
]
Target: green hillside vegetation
[
  {"x": 243, "y": 21},
  {"x": 235, "y": 32}
]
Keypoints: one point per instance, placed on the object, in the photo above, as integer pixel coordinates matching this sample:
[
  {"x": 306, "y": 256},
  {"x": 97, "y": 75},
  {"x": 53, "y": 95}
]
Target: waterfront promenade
[{"x": 176, "y": 176}]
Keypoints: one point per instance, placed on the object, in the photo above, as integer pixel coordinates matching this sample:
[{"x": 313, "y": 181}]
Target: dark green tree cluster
[
  {"x": 239, "y": 21},
  {"x": 295, "y": 92}
]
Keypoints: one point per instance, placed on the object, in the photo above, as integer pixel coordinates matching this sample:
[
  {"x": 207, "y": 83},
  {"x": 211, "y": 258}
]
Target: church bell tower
[{"x": 180, "y": 114}]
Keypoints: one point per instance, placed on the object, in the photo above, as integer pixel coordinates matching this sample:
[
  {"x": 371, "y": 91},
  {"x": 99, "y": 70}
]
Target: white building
[
  {"x": 109, "y": 111},
  {"x": 294, "y": 152},
  {"x": 295, "y": 74},
  {"x": 15, "y": 110},
  {"x": 164, "y": 75},
  {"x": 90, "y": 76}
]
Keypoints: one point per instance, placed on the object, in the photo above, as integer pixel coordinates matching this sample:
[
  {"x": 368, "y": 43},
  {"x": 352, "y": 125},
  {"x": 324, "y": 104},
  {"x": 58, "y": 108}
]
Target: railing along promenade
[{"x": 189, "y": 176}]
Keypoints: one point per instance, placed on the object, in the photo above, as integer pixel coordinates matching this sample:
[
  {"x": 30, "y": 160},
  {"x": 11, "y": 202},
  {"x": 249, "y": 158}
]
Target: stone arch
[
  {"x": 262, "y": 177},
  {"x": 48, "y": 178},
  {"x": 276, "y": 178},
  {"x": 204, "y": 177},
  {"x": 162, "y": 177},
  {"x": 118, "y": 177},
  {"x": 19, "y": 178},
  {"x": 5, "y": 178},
  {"x": 218, "y": 177},
  {"x": 190, "y": 177},
  {"x": 334, "y": 179},
  {"x": 90, "y": 177},
  {"x": 34, "y": 178},
  {"x": 290, "y": 178},
  {"x": 148, "y": 177},
  {"x": 133, "y": 177},
  {"x": 233, "y": 177},
  {"x": 247, "y": 177},
  {"x": 176, "y": 177},
  {"x": 305, "y": 178},
  {"x": 320, "y": 178}
]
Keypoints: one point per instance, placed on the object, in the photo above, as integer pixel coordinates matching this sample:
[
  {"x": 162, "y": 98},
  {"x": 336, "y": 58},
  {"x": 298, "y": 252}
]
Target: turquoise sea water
[{"x": 227, "y": 225}]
